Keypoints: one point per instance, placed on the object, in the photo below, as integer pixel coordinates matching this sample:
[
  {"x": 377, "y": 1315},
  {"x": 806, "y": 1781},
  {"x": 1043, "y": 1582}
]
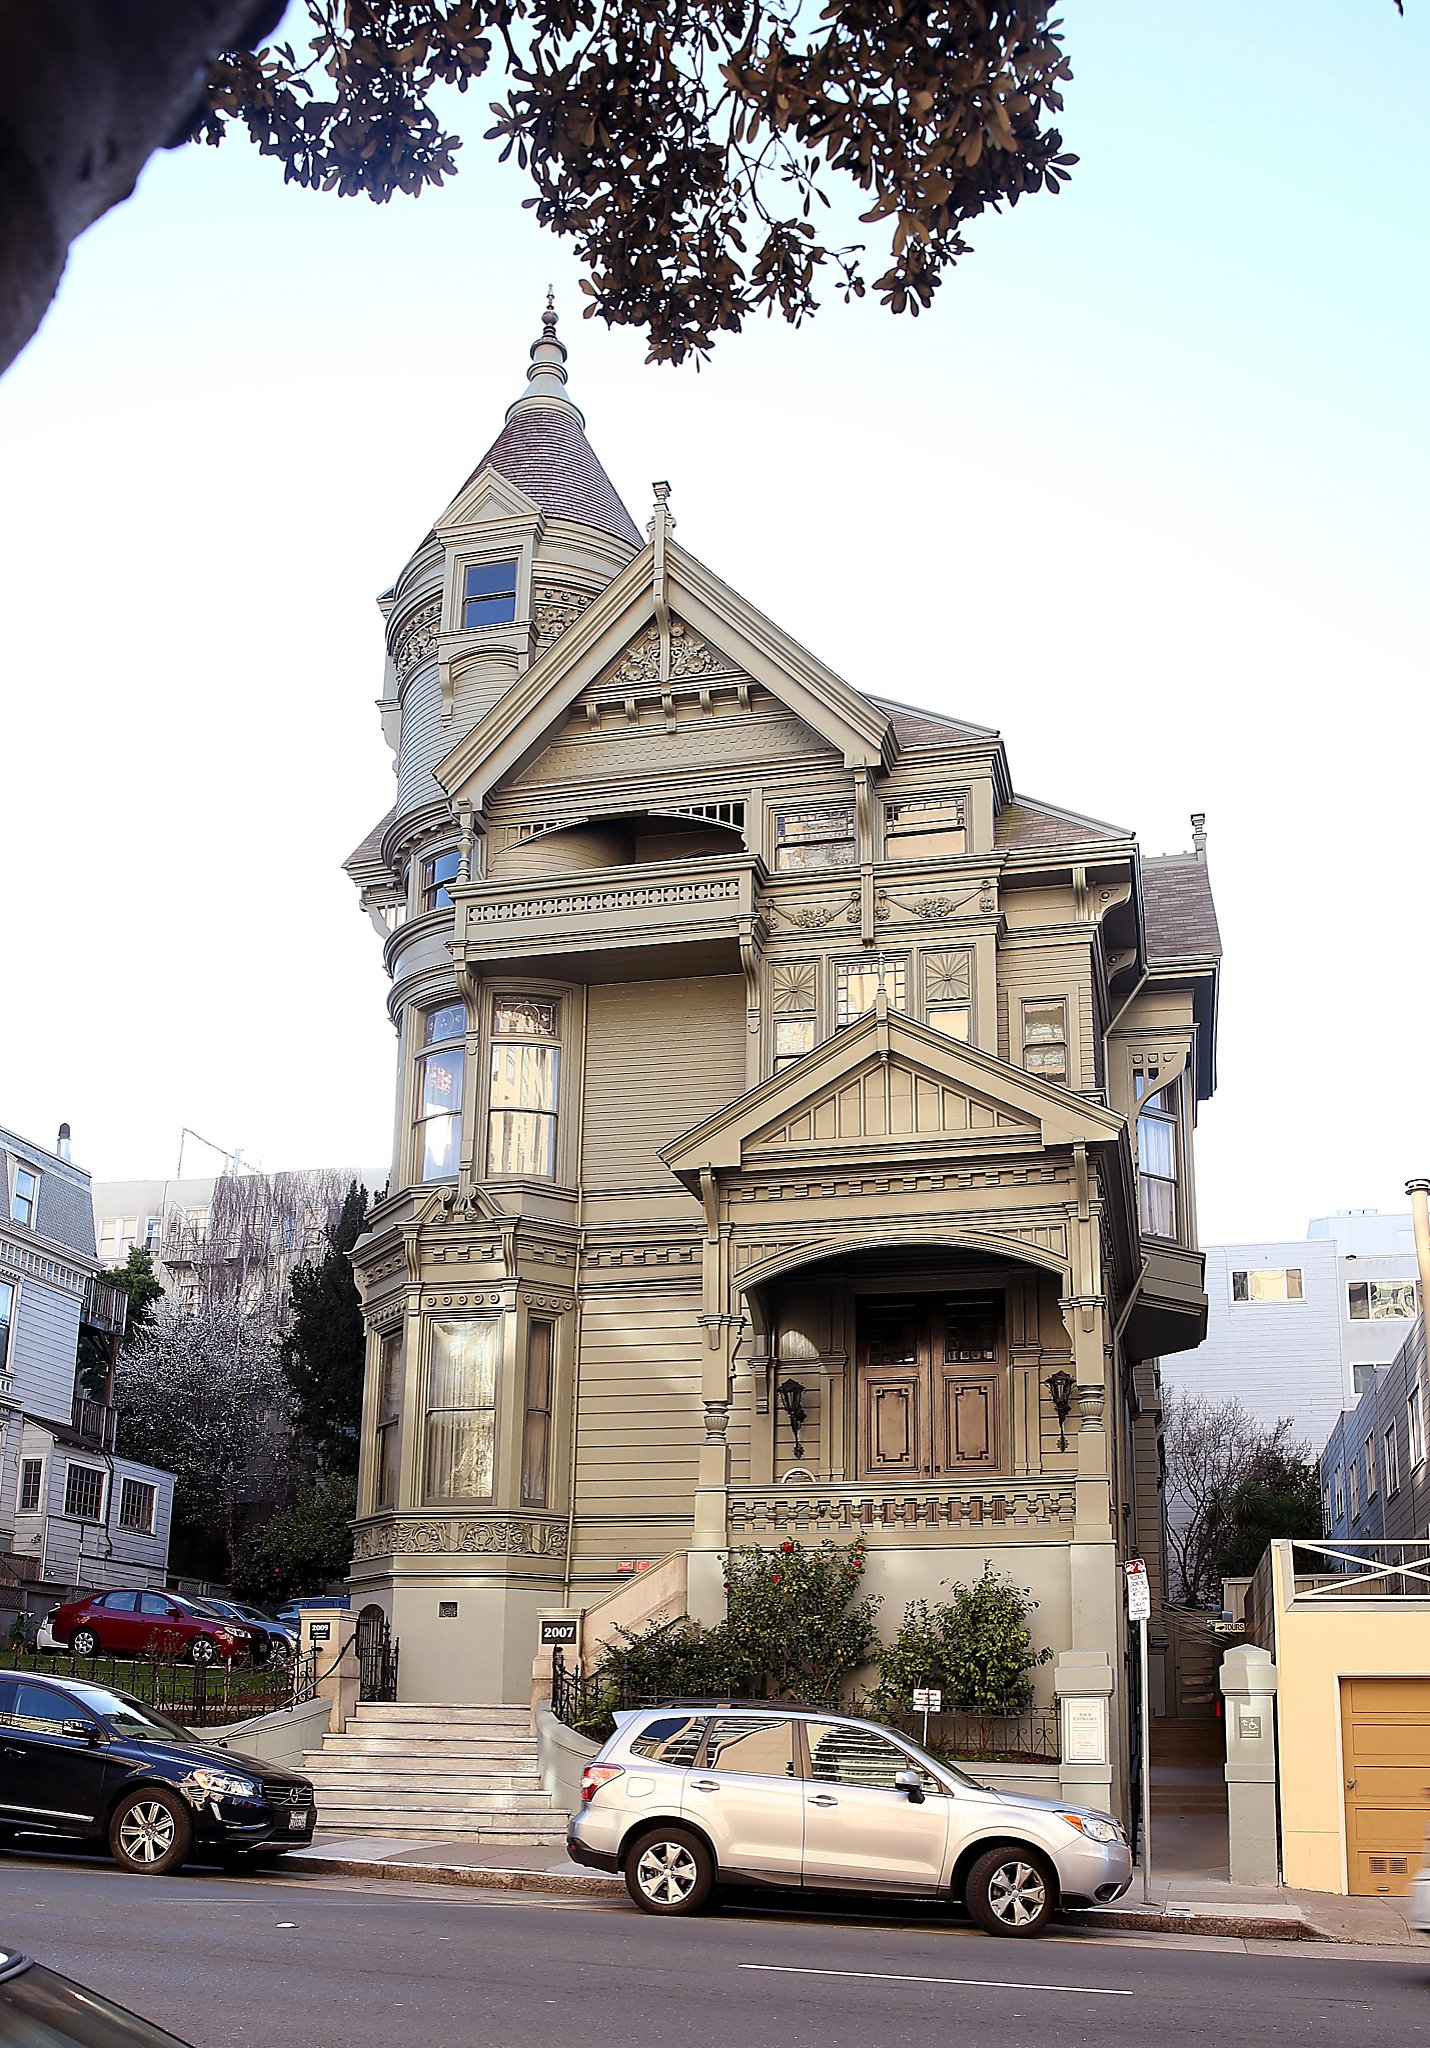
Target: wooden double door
[{"x": 930, "y": 1386}]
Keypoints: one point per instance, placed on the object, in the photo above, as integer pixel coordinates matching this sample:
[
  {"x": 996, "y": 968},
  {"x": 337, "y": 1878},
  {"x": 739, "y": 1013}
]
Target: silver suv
[{"x": 684, "y": 1798}]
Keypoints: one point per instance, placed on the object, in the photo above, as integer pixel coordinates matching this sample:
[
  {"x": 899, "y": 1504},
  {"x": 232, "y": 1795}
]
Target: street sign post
[
  {"x": 930, "y": 1698},
  {"x": 1139, "y": 1609}
]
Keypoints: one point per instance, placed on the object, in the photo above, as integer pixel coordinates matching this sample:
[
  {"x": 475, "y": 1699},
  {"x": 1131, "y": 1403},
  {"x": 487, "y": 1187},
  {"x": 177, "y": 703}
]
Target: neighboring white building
[
  {"x": 71, "y": 1512},
  {"x": 1298, "y": 1327}
]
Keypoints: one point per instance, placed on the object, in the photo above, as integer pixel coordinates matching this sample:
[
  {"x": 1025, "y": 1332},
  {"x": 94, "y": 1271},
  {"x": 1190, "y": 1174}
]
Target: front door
[
  {"x": 860, "y": 1828},
  {"x": 748, "y": 1797},
  {"x": 930, "y": 1375}
]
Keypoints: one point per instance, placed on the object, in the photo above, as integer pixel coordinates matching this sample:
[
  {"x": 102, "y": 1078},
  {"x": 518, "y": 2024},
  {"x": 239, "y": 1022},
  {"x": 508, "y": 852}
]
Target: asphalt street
[{"x": 316, "y": 1963}]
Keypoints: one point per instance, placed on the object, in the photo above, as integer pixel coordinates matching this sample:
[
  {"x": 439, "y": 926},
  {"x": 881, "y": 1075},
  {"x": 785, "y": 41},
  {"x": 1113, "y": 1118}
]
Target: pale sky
[{"x": 1146, "y": 491}]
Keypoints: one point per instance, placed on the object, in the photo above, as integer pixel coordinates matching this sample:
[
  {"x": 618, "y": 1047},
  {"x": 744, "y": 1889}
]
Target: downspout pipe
[{"x": 1419, "y": 1193}]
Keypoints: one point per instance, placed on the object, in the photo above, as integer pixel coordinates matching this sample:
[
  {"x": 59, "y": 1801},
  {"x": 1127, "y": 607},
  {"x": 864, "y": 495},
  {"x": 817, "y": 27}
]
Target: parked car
[
  {"x": 289, "y": 1613},
  {"x": 683, "y": 1799},
  {"x": 137, "y": 1624},
  {"x": 39, "y": 2005},
  {"x": 83, "y": 1760},
  {"x": 45, "y": 1637},
  {"x": 275, "y": 1644}
]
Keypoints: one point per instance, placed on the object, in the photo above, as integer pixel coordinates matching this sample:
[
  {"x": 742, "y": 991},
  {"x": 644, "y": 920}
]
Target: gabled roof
[
  {"x": 914, "y": 727},
  {"x": 1181, "y": 915},
  {"x": 1022, "y": 823},
  {"x": 519, "y": 722},
  {"x": 948, "y": 1096}
]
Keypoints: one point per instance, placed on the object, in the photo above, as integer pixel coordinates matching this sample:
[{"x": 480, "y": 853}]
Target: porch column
[{"x": 722, "y": 1335}]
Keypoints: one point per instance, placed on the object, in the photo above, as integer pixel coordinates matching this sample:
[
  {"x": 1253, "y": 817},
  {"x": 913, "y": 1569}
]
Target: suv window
[
  {"x": 840, "y": 1754},
  {"x": 673, "y": 1740},
  {"x": 45, "y": 1711},
  {"x": 764, "y": 1748}
]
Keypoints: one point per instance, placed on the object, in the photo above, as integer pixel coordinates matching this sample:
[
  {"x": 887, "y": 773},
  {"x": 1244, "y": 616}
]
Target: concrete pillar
[
  {"x": 1248, "y": 1683},
  {"x": 556, "y": 1627},
  {"x": 1082, "y": 1680},
  {"x": 331, "y": 1634}
]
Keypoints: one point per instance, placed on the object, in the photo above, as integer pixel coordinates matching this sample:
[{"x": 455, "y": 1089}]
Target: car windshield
[
  {"x": 225, "y": 1609},
  {"x": 940, "y": 1765},
  {"x": 124, "y": 1715}
]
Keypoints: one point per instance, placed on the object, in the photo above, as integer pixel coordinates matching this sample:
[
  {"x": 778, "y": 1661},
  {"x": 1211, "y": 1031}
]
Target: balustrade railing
[{"x": 1011, "y": 1504}]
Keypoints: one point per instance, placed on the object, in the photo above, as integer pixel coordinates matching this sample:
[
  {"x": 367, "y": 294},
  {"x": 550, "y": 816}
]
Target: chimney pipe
[
  {"x": 1419, "y": 1193},
  {"x": 63, "y": 1145}
]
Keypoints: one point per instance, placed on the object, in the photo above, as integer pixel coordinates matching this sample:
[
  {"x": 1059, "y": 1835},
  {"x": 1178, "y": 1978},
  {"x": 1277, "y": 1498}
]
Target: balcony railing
[
  {"x": 655, "y": 903},
  {"x": 1360, "y": 1570},
  {"x": 754, "y": 1513},
  {"x": 105, "y": 1308},
  {"x": 95, "y": 1421}
]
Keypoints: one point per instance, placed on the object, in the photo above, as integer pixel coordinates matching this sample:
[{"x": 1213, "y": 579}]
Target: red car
[{"x": 146, "y": 1624}]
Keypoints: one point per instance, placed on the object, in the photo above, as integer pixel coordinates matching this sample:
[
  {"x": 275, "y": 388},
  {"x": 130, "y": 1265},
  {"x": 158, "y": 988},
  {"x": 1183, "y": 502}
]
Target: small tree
[
  {"x": 300, "y": 1548},
  {"x": 203, "y": 1396},
  {"x": 322, "y": 1349},
  {"x": 1216, "y": 1453},
  {"x": 977, "y": 1649},
  {"x": 1281, "y": 1496}
]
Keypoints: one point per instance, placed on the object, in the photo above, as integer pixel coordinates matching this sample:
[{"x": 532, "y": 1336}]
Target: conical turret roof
[{"x": 543, "y": 449}]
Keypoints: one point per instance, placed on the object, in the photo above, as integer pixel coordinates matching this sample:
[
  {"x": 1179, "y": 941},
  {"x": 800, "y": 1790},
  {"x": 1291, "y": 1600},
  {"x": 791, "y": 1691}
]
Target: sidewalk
[{"x": 1188, "y": 1897}]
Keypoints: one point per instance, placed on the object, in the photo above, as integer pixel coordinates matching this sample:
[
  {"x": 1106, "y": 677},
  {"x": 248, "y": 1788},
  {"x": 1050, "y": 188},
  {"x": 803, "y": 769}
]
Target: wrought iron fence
[
  {"x": 377, "y": 1651},
  {"x": 1031, "y": 1738},
  {"x": 589, "y": 1700},
  {"x": 196, "y": 1695}
]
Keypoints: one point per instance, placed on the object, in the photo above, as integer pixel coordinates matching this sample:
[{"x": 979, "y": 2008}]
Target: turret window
[
  {"x": 489, "y": 594},
  {"x": 389, "y": 1408},
  {"x": 437, "y": 871},
  {"x": 1157, "y": 1149},
  {"x": 525, "y": 1084},
  {"x": 440, "y": 1070}
]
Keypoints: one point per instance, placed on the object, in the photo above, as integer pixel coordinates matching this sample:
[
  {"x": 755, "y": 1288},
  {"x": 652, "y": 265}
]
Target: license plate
[{"x": 299, "y": 1818}]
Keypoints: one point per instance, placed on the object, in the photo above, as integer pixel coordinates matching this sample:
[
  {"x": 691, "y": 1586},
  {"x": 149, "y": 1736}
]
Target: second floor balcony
[
  {"x": 644, "y": 921},
  {"x": 95, "y": 1421}
]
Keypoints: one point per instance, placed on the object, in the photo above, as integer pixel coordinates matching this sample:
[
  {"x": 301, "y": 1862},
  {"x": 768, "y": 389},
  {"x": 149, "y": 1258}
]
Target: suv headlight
[
  {"x": 223, "y": 1785},
  {"x": 1094, "y": 1827}
]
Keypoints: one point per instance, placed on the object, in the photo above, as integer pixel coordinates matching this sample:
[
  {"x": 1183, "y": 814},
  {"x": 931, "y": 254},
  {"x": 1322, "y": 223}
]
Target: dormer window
[
  {"x": 1157, "y": 1152},
  {"x": 489, "y": 594},
  {"x": 437, "y": 871},
  {"x": 813, "y": 839},
  {"x": 22, "y": 1202}
]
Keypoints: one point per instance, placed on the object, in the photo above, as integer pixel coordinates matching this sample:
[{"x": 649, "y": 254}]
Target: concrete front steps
[{"x": 435, "y": 1773}]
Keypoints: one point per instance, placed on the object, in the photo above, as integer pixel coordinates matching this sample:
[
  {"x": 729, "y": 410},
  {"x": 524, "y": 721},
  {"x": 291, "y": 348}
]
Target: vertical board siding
[
  {"x": 660, "y": 1057},
  {"x": 640, "y": 1424}
]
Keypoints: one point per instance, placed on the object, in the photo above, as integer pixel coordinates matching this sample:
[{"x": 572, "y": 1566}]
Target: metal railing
[
  {"x": 1031, "y": 1738},
  {"x": 95, "y": 1421},
  {"x": 195, "y": 1695},
  {"x": 1359, "y": 1570}
]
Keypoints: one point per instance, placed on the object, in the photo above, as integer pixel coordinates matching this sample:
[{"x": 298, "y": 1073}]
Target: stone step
[
  {"x": 400, "y": 1829},
  {"x": 410, "y": 1785},
  {"x": 385, "y": 1818},
  {"x": 498, "y": 1769},
  {"x": 434, "y": 1746},
  {"x": 335, "y": 1799},
  {"x": 403, "y": 1713}
]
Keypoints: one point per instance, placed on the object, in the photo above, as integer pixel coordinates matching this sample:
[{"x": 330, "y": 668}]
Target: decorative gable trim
[
  {"x": 889, "y": 1098},
  {"x": 489, "y": 497}
]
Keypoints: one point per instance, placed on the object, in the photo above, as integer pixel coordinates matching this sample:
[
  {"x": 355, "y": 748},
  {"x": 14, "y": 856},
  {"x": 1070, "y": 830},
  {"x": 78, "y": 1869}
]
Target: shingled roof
[
  {"x": 1181, "y": 916},
  {"x": 367, "y": 857},
  {"x": 915, "y": 728},
  {"x": 1023, "y": 824},
  {"x": 544, "y": 452}
]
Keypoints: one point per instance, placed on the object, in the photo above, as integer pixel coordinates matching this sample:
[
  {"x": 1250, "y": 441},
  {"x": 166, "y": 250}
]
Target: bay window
[
  {"x": 459, "y": 1447},
  {"x": 813, "y": 839},
  {"x": 1157, "y": 1153},
  {"x": 525, "y": 1079},
  {"x": 437, "y": 871},
  {"x": 536, "y": 1435},
  {"x": 441, "y": 1065},
  {"x": 1045, "y": 1040}
]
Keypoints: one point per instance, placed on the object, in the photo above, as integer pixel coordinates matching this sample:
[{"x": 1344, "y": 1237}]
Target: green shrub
[
  {"x": 798, "y": 1624},
  {"x": 976, "y": 1648}
]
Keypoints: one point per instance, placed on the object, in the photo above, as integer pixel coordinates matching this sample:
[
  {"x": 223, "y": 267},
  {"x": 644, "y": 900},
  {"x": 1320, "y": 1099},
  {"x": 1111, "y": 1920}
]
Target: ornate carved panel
[
  {"x": 554, "y": 607},
  {"x": 887, "y": 1100},
  {"x": 470, "y": 1534},
  {"x": 417, "y": 639}
]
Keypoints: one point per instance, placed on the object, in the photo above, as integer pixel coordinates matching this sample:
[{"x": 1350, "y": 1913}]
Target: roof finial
[
  {"x": 546, "y": 379},
  {"x": 548, "y": 322}
]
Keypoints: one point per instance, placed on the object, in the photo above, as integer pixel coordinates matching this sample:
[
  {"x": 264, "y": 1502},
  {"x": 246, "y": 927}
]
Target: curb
[{"x": 1248, "y": 1927}]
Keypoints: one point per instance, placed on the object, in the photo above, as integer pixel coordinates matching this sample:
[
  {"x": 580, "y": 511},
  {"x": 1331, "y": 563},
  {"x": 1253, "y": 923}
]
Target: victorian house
[{"x": 793, "y": 1124}]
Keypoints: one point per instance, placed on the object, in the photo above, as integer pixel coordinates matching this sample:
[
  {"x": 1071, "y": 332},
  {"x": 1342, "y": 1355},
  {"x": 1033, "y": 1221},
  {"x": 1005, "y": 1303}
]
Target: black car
[
  {"x": 38, "y": 2005},
  {"x": 275, "y": 1644},
  {"x": 82, "y": 1760}
]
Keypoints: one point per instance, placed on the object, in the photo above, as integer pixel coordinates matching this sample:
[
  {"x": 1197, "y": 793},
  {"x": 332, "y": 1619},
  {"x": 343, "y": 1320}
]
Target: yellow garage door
[{"x": 1385, "y": 1735}]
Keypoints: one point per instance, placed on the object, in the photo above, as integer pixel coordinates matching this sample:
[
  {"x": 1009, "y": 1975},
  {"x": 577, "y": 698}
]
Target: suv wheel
[
  {"x": 1010, "y": 1891},
  {"x": 151, "y": 1832},
  {"x": 203, "y": 1650},
  {"x": 84, "y": 1643},
  {"x": 670, "y": 1870}
]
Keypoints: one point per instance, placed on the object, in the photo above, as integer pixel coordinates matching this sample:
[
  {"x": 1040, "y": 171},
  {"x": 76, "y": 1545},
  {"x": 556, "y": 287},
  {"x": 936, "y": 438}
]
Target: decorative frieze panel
[
  {"x": 643, "y": 1255},
  {"x": 468, "y": 1535},
  {"x": 554, "y": 607},
  {"x": 794, "y": 985},
  {"x": 973, "y": 1179},
  {"x": 689, "y": 656},
  {"x": 417, "y": 639},
  {"x": 1014, "y": 1505},
  {"x": 948, "y": 977}
]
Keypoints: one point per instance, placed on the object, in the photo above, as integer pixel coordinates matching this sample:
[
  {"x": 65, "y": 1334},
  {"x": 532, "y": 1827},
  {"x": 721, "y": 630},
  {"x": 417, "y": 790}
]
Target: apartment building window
[
  {"x": 32, "y": 1473},
  {"x": 1362, "y": 1376},
  {"x": 813, "y": 839},
  {"x": 137, "y": 1503},
  {"x": 525, "y": 1085},
  {"x": 23, "y": 1200},
  {"x": 1415, "y": 1427},
  {"x": 437, "y": 871},
  {"x": 1355, "y": 1490},
  {"x": 1370, "y": 1481},
  {"x": 1392, "y": 1462},
  {"x": 153, "y": 1227},
  {"x": 441, "y": 1065},
  {"x": 1045, "y": 1042},
  {"x": 857, "y": 984},
  {"x": 1267, "y": 1283},
  {"x": 1157, "y": 1147},
  {"x": 7, "y": 1311},
  {"x": 1325, "y": 1510},
  {"x": 536, "y": 1436},
  {"x": 84, "y": 1492},
  {"x": 1375, "y": 1301},
  {"x": 459, "y": 1450},
  {"x": 1340, "y": 1493},
  {"x": 489, "y": 594},
  {"x": 389, "y": 1404},
  {"x": 933, "y": 825}
]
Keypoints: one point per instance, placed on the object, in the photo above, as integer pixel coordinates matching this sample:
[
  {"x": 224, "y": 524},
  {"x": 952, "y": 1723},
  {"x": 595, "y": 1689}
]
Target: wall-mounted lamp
[
  {"x": 1060, "y": 1393},
  {"x": 791, "y": 1395}
]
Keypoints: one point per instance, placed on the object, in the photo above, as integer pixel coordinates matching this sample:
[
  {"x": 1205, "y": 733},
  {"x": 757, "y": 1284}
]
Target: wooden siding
[
  {"x": 640, "y": 1425},
  {"x": 660, "y": 1056}
]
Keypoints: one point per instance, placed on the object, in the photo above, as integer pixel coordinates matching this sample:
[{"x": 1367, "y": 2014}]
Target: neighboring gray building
[
  {"x": 71, "y": 1512},
  {"x": 1298, "y": 1327},
  {"x": 1375, "y": 1475}
]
